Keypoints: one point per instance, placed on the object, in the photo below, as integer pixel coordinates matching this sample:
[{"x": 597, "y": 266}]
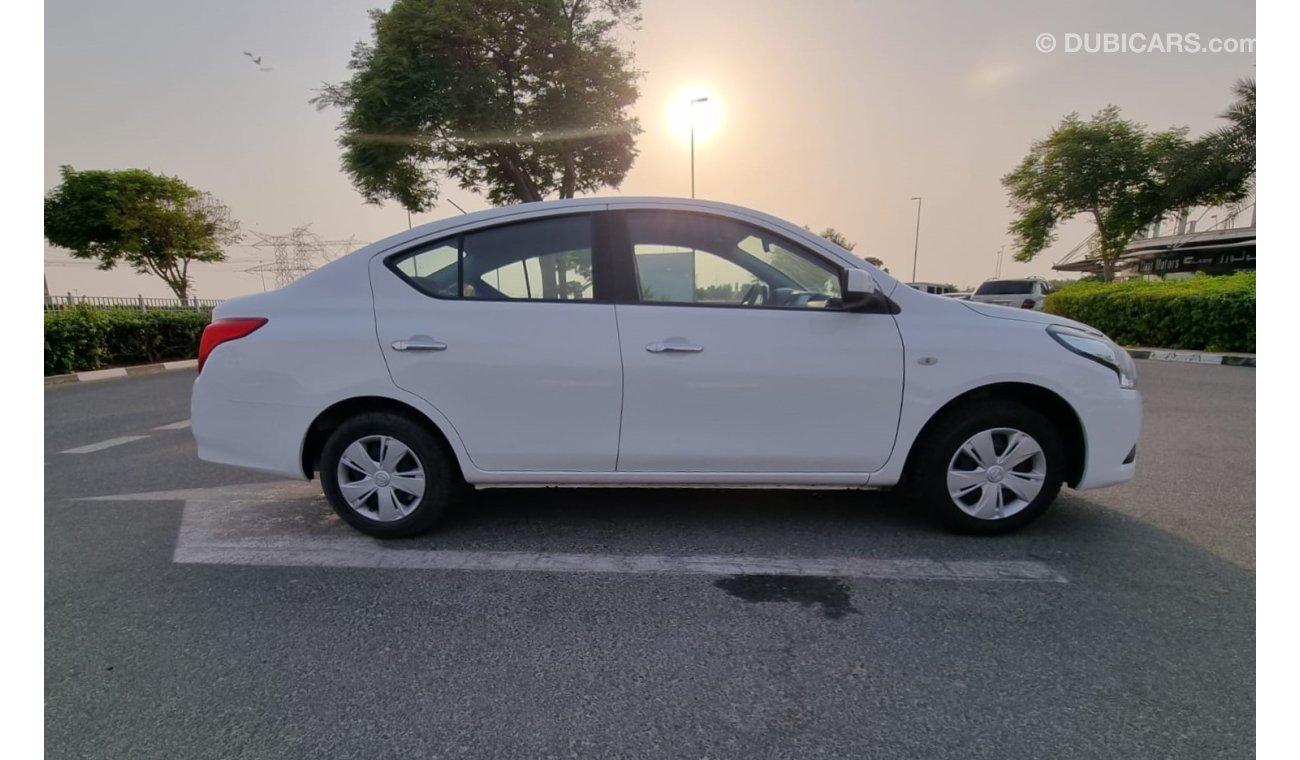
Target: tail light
[
  {"x": 224, "y": 330},
  {"x": 1028, "y": 304}
]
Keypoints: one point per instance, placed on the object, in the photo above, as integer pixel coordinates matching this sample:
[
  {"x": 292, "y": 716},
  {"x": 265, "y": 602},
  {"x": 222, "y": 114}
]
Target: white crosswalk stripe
[{"x": 100, "y": 446}]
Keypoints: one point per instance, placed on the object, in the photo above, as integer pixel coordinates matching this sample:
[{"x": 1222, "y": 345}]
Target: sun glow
[{"x": 687, "y": 108}]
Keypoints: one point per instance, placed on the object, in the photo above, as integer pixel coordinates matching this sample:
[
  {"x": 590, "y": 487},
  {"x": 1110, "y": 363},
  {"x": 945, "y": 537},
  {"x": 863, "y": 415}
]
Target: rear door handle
[
  {"x": 674, "y": 346},
  {"x": 419, "y": 344}
]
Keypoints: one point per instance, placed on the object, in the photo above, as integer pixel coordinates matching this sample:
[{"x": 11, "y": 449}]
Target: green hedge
[
  {"x": 1200, "y": 313},
  {"x": 85, "y": 338}
]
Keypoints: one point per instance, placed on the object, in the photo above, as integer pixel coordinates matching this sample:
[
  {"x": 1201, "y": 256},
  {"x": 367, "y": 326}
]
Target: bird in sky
[{"x": 257, "y": 61}]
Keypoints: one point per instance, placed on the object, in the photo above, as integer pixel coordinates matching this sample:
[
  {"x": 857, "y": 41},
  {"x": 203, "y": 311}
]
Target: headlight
[{"x": 1098, "y": 348}]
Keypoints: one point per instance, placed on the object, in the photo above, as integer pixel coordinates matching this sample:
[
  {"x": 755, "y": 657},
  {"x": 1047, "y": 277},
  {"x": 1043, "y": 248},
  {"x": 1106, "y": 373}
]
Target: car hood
[{"x": 1022, "y": 315}]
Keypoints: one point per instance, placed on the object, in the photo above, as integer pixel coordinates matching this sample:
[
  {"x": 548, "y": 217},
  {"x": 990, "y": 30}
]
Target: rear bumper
[
  {"x": 1110, "y": 426},
  {"x": 266, "y": 438}
]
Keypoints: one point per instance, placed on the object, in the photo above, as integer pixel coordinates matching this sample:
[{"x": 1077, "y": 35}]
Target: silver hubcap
[
  {"x": 996, "y": 473},
  {"x": 381, "y": 478}
]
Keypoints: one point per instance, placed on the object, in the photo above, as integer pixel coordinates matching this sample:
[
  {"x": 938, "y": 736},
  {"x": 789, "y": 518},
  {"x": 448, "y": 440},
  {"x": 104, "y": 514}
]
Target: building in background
[{"x": 1181, "y": 250}]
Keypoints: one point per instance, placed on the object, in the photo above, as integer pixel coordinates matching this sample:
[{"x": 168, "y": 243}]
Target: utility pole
[
  {"x": 997, "y": 270},
  {"x": 693, "y": 102},
  {"x": 916, "y": 247}
]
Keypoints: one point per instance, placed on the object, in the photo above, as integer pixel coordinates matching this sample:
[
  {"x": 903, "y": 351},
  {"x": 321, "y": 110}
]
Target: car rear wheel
[
  {"x": 990, "y": 467},
  {"x": 386, "y": 475}
]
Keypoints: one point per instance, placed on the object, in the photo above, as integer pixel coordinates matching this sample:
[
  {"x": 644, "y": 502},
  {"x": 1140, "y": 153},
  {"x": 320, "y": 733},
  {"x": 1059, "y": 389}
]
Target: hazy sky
[{"x": 832, "y": 112}]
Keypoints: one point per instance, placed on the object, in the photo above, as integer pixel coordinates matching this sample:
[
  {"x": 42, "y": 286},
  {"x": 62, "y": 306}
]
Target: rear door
[
  {"x": 738, "y": 358},
  {"x": 506, "y": 332}
]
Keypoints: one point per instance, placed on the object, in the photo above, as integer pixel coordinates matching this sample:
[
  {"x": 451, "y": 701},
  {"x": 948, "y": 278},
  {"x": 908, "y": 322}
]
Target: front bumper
[{"x": 1111, "y": 425}]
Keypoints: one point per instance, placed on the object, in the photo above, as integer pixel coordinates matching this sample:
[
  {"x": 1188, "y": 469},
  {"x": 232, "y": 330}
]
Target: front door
[{"x": 738, "y": 358}]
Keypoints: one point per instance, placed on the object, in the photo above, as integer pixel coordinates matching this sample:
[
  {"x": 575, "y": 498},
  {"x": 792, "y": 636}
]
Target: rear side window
[
  {"x": 543, "y": 260},
  {"x": 1005, "y": 287}
]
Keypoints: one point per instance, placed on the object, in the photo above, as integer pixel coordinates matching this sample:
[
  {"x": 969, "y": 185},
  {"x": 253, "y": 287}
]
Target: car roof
[{"x": 543, "y": 208}]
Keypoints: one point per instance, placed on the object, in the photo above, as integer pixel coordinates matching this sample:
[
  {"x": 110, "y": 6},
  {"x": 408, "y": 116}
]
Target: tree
[
  {"x": 520, "y": 99},
  {"x": 1119, "y": 175},
  {"x": 1238, "y": 138},
  {"x": 156, "y": 224},
  {"x": 838, "y": 238}
]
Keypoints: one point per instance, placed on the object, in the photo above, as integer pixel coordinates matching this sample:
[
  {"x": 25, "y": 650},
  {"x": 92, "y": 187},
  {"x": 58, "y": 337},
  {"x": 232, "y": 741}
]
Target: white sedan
[{"x": 652, "y": 342}]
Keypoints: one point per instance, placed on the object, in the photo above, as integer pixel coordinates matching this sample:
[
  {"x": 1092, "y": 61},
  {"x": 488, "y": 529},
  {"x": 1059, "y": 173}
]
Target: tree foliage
[
  {"x": 156, "y": 224},
  {"x": 519, "y": 99},
  {"x": 1238, "y": 138},
  {"x": 838, "y": 238},
  {"x": 1119, "y": 175}
]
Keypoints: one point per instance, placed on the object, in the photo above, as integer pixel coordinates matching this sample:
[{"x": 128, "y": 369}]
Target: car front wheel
[
  {"x": 990, "y": 467},
  {"x": 386, "y": 475}
]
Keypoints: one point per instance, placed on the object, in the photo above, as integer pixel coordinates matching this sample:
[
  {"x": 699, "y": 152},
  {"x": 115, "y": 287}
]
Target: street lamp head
[
  {"x": 916, "y": 198},
  {"x": 699, "y": 100}
]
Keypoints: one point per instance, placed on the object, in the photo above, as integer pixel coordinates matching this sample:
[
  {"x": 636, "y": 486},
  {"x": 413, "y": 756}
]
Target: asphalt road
[{"x": 1143, "y": 646}]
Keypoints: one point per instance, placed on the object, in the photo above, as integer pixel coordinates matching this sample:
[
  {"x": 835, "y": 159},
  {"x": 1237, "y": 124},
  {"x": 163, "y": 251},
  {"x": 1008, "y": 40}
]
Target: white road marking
[
  {"x": 638, "y": 564},
  {"x": 174, "y": 425},
  {"x": 110, "y": 443},
  {"x": 290, "y": 525}
]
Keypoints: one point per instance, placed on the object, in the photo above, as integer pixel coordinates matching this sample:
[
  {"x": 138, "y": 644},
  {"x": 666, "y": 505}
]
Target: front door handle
[
  {"x": 674, "y": 346},
  {"x": 419, "y": 344}
]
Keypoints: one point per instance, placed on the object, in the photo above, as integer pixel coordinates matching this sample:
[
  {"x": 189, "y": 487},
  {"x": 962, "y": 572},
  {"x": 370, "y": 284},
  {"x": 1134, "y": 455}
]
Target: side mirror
[{"x": 859, "y": 289}]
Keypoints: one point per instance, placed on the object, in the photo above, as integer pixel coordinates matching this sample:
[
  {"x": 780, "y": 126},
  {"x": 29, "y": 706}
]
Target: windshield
[{"x": 1005, "y": 287}]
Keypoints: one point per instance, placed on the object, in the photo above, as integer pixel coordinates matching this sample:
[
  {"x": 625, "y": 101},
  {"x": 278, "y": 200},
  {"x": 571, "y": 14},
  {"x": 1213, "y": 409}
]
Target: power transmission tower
[{"x": 298, "y": 252}]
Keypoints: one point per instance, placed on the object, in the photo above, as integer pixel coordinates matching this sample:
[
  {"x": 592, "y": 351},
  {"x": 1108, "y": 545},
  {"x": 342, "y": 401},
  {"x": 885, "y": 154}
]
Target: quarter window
[{"x": 544, "y": 260}]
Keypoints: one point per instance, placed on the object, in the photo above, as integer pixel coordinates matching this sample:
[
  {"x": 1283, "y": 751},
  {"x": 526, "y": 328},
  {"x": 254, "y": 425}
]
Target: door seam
[{"x": 622, "y": 396}]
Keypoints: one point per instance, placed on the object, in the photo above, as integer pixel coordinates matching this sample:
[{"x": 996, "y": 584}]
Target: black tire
[
  {"x": 417, "y": 514},
  {"x": 940, "y": 448}
]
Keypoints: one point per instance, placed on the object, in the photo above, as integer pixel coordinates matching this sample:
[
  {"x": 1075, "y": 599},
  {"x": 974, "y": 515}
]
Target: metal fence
[{"x": 55, "y": 303}]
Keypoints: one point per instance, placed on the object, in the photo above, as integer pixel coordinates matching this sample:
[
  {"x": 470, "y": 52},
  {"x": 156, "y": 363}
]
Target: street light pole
[
  {"x": 916, "y": 247},
  {"x": 693, "y": 102}
]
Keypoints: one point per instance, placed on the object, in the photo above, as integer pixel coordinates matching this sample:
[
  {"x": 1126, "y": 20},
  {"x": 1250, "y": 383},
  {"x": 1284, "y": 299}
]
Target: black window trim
[{"x": 599, "y": 260}]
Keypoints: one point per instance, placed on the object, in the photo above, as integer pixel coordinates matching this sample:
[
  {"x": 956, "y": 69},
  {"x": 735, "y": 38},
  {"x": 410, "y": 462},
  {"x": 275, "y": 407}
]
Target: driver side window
[
  {"x": 670, "y": 274},
  {"x": 687, "y": 258}
]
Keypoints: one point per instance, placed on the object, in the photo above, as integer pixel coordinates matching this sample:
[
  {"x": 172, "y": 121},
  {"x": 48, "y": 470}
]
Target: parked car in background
[
  {"x": 933, "y": 288},
  {"x": 651, "y": 342},
  {"x": 1027, "y": 293},
  {"x": 963, "y": 296}
]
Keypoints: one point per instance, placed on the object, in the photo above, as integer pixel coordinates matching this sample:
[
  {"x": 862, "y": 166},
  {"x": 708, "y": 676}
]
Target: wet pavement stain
[{"x": 831, "y": 593}]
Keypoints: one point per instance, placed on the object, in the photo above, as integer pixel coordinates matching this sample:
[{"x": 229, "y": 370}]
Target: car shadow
[{"x": 755, "y": 522}]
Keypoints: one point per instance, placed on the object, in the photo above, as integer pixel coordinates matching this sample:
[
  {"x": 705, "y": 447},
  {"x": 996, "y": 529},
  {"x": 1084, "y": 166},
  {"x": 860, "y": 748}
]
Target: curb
[
  {"x": 1193, "y": 357},
  {"x": 112, "y": 374}
]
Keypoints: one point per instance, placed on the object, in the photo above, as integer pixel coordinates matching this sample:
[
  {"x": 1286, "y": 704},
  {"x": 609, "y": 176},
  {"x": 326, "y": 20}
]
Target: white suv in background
[{"x": 1026, "y": 293}]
